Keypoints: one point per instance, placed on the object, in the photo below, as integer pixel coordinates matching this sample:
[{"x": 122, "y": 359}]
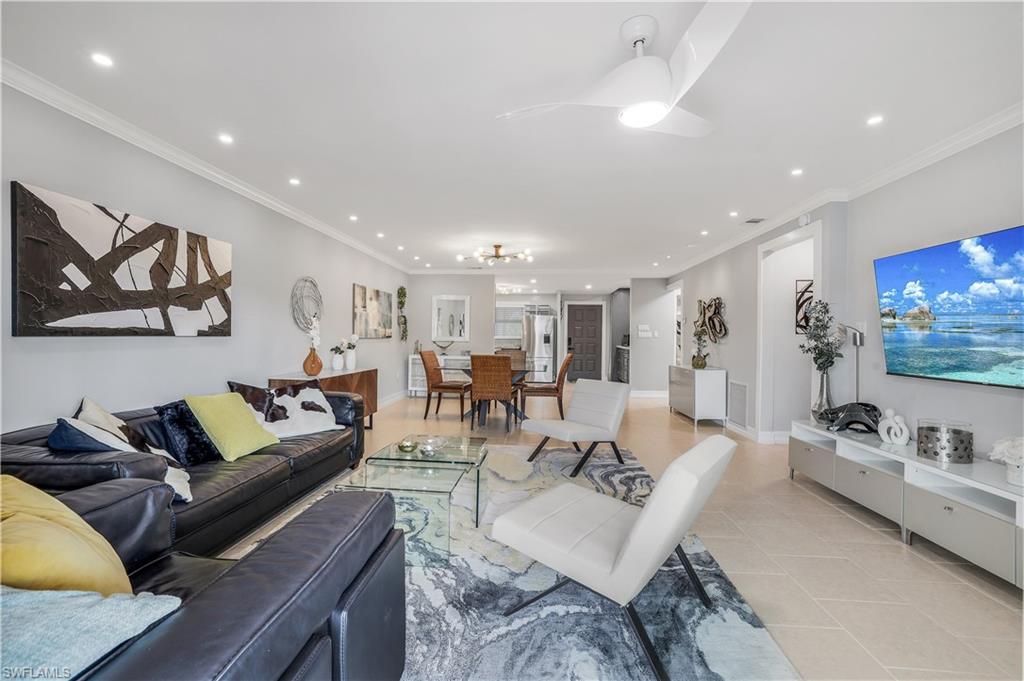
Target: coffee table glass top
[
  {"x": 453, "y": 450},
  {"x": 390, "y": 475}
]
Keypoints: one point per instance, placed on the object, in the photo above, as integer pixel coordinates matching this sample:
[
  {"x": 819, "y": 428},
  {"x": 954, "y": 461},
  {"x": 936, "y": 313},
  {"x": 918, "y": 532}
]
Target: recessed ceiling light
[
  {"x": 295, "y": 182},
  {"x": 733, "y": 214},
  {"x": 704, "y": 232},
  {"x": 353, "y": 218},
  {"x": 460, "y": 257},
  {"x": 655, "y": 264},
  {"x": 876, "y": 120},
  {"x": 691, "y": 245},
  {"x": 534, "y": 290},
  {"x": 427, "y": 265},
  {"x": 380, "y": 235},
  {"x": 533, "y": 281},
  {"x": 415, "y": 257},
  {"x": 796, "y": 172},
  {"x": 401, "y": 248},
  {"x": 668, "y": 257},
  {"x": 225, "y": 138},
  {"x": 102, "y": 60},
  {"x": 588, "y": 287}
]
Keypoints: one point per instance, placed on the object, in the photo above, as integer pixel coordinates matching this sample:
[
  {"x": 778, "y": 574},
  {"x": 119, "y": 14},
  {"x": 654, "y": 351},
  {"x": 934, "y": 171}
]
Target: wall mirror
[{"x": 450, "y": 318}]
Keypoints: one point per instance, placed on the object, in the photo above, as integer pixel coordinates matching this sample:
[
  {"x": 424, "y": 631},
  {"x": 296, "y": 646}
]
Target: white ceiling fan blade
[
  {"x": 682, "y": 123},
  {"x": 643, "y": 79},
  {"x": 702, "y": 42}
]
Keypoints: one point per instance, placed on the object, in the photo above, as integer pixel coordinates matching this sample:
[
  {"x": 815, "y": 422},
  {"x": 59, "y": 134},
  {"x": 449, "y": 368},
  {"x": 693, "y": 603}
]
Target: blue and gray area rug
[{"x": 457, "y": 591}]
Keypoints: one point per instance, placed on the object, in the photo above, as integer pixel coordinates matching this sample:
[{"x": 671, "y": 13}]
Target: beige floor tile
[
  {"x": 791, "y": 540},
  {"x": 778, "y": 487},
  {"x": 756, "y": 513},
  {"x": 820, "y": 491},
  {"x": 983, "y": 580},
  {"x": 827, "y": 654},
  {"x": 836, "y": 578},
  {"x": 1005, "y": 654},
  {"x": 902, "y": 674},
  {"x": 777, "y": 599},
  {"x": 934, "y": 553},
  {"x": 900, "y": 636},
  {"x": 716, "y": 524},
  {"x": 962, "y": 610},
  {"x": 896, "y": 562},
  {"x": 804, "y": 505},
  {"x": 841, "y": 529},
  {"x": 869, "y": 518},
  {"x": 740, "y": 555}
]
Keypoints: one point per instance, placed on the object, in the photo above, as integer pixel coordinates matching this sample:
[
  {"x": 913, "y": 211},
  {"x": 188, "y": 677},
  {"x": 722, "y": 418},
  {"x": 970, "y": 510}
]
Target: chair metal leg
[
  {"x": 533, "y": 599},
  {"x": 537, "y": 450},
  {"x": 577, "y": 446},
  {"x": 645, "y": 642},
  {"x": 586, "y": 455},
  {"x": 426, "y": 412},
  {"x": 462, "y": 406},
  {"x": 618, "y": 454},
  {"x": 694, "y": 579}
]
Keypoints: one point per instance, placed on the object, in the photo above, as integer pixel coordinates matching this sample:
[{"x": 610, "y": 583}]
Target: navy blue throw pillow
[
  {"x": 75, "y": 436},
  {"x": 186, "y": 440}
]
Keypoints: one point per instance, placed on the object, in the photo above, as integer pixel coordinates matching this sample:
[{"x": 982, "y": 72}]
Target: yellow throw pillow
[
  {"x": 230, "y": 423},
  {"x": 46, "y": 545}
]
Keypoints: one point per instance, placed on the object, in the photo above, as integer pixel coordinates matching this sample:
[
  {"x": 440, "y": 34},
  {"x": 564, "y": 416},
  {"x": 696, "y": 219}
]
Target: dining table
[{"x": 519, "y": 368}]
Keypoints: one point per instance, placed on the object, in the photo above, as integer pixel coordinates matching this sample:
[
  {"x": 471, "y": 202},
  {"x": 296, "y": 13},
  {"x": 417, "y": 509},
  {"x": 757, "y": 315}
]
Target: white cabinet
[
  {"x": 418, "y": 377},
  {"x": 697, "y": 393}
]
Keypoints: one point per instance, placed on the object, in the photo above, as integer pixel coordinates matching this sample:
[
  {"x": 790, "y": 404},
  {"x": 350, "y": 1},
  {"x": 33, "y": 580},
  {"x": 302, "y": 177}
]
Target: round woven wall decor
[{"x": 306, "y": 303}]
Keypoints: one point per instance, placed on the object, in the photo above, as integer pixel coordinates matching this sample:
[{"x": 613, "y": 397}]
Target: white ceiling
[{"x": 388, "y": 111}]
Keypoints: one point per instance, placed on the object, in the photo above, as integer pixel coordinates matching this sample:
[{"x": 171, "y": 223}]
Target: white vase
[
  {"x": 350, "y": 360},
  {"x": 337, "y": 361},
  {"x": 1015, "y": 474}
]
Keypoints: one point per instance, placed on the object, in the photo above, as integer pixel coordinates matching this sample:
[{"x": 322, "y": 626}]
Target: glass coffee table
[{"x": 423, "y": 483}]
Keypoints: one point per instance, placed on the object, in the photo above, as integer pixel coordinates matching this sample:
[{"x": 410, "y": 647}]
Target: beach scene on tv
[{"x": 956, "y": 311}]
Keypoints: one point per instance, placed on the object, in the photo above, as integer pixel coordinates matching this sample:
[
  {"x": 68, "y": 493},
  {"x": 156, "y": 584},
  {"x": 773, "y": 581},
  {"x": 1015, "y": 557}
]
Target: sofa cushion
[
  {"x": 53, "y": 472},
  {"x": 219, "y": 487},
  {"x": 305, "y": 451},
  {"x": 179, "y": 574}
]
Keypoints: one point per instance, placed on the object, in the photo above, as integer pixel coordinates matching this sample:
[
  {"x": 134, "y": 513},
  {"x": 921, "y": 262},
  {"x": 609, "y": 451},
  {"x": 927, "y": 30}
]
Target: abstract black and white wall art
[
  {"x": 81, "y": 269},
  {"x": 371, "y": 312},
  {"x": 804, "y": 298}
]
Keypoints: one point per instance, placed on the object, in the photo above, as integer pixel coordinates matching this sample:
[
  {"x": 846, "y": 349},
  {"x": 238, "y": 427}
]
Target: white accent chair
[
  {"x": 614, "y": 548},
  {"x": 595, "y": 414}
]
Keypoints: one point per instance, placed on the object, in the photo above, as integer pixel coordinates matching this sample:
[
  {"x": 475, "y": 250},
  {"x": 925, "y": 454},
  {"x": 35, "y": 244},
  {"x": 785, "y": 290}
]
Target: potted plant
[
  {"x": 403, "y": 322},
  {"x": 350, "y": 352},
  {"x": 700, "y": 340},
  {"x": 823, "y": 347},
  {"x": 338, "y": 356}
]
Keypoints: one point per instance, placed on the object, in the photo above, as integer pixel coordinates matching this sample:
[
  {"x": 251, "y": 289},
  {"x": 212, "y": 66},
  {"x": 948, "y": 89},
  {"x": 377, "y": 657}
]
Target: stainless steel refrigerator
[{"x": 539, "y": 343}]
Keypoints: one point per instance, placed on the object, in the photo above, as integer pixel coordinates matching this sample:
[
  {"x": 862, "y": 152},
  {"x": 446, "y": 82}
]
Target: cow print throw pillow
[{"x": 298, "y": 409}]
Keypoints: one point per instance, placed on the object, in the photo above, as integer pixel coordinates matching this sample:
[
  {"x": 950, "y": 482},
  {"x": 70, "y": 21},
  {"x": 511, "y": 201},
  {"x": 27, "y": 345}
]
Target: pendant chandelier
[{"x": 482, "y": 255}]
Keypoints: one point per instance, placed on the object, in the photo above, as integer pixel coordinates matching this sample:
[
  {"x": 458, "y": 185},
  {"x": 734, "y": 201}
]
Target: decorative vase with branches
[
  {"x": 823, "y": 346},
  {"x": 700, "y": 341},
  {"x": 403, "y": 323}
]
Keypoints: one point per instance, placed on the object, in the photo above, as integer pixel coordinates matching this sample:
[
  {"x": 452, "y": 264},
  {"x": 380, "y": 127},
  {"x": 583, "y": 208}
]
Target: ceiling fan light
[
  {"x": 529, "y": 258},
  {"x": 643, "y": 114},
  {"x": 490, "y": 262},
  {"x": 520, "y": 256},
  {"x": 506, "y": 259},
  {"x": 460, "y": 257}
]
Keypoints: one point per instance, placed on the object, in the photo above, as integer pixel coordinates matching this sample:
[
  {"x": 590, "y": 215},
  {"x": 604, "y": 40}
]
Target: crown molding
[
  {"x": 996, "y": 124},
  {"x": 1005, "y": 120},
  {"x": 46, "y": 92}
]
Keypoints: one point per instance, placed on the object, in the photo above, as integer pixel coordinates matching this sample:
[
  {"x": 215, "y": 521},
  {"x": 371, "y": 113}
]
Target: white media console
[{"x": 969, "y": 509}]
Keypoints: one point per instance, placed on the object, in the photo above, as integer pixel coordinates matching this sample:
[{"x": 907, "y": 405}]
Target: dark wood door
[{"x": 584, "y": 341}]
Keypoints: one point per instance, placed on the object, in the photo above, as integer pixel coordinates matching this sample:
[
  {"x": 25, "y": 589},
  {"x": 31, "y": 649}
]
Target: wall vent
[
  {"x": 738, "y": 403},
  {"x": 754, "y": 221}
]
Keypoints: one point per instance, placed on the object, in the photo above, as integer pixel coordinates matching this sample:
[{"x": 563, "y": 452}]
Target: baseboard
[
  {"x": 745, "y": 431},
  {"x": 661, "y": 394},
  {"x": 391, "y": 399},
  {"x": 773, "y": 437}
]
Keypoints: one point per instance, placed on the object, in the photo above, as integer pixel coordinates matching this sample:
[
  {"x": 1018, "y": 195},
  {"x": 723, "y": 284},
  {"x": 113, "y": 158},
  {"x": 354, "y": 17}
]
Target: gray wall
[
  {"x": 976, "y": 191},
  {"x": 480, "y": 289},
  {"x": 649, "y": 358},
  {"x": 618, "y": 314},
  {"x": 47, "y": 377}
]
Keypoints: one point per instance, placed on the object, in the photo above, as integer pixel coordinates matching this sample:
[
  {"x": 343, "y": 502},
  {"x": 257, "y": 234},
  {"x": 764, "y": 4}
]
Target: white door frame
[
  {"x": 764, "y": 411},
  {"x": 563, "y": 342}
]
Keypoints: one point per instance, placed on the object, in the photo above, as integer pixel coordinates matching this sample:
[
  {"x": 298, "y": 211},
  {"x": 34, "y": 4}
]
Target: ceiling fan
[{"x": 646, "y": 88}]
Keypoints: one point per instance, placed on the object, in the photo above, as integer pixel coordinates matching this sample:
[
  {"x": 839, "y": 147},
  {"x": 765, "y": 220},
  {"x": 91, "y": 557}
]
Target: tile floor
[{"x": 844, "y": 598}]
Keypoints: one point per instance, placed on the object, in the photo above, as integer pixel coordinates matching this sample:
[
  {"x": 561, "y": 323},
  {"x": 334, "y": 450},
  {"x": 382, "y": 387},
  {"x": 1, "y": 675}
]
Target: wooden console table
[{"x": 362, "y": 382}]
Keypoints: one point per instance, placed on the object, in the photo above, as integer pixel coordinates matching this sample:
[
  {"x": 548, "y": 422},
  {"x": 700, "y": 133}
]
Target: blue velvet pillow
[
  {"x": 72, "y": 435},
  {"x": 186, "y": 440}
]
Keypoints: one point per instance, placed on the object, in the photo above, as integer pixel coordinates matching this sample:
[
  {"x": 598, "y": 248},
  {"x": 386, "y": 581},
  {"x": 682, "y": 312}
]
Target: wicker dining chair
[
  {"x": 492, "y": 380},
  {"x": 556, "y": 389},
  {"x": 437, "y": 384}
]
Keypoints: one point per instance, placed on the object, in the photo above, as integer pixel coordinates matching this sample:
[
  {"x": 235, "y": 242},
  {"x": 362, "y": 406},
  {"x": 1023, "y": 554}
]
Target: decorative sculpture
[
  {"x": 709, "y": 318},
  {"x": 307, "y": 303},
  {"x": 893, "y": 429},
  {"x": 858, "y": 416}
]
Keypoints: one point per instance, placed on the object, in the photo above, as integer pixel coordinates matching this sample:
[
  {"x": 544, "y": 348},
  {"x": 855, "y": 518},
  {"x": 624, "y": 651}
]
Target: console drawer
[
  {"x": 813, "y": 461},
  {"x": 878, "y": 490},
  {"x": 979, "y": 537}
]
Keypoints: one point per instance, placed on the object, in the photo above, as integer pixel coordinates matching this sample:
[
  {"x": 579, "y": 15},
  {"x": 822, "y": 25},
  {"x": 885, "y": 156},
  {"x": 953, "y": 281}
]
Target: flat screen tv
[{"x": 955, "y": 311}]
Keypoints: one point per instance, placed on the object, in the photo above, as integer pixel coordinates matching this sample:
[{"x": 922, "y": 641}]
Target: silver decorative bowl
[
  {"x": 407, "y": 446},
  {"x": 945, "y": 441},
  {"x": 432, "y": 445}
]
